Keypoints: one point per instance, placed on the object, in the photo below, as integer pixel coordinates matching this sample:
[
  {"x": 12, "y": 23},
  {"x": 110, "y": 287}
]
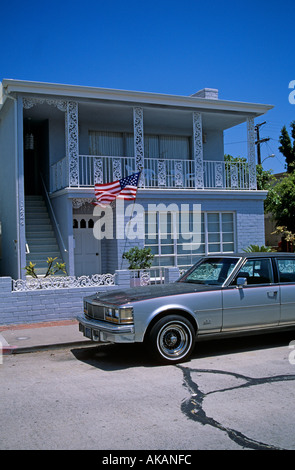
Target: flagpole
[{"x": 128, "y": 223}]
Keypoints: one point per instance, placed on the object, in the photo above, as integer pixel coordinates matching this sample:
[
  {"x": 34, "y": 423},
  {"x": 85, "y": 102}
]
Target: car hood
[{"x": 137, "y": 294}]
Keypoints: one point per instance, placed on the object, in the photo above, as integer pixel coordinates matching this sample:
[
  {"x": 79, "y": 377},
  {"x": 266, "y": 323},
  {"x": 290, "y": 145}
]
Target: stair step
[
  {"x": 43, "y": 247},
  {"x": 40, "y": 235},
  {"x": 41, "y": 241}
]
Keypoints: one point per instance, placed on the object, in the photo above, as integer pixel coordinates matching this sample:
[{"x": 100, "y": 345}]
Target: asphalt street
[{"x": 232, "y": 395}]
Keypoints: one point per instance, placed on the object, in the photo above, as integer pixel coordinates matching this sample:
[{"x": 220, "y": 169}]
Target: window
[
  {"x": 213, "y": 271},
  {"x": 257, "y": 271},
  {"x": 286, "y": 269},
  {"x": 172, "y": 243},
  {"x": 167, "y": 147},
  {"x": 112, "y": 144}
]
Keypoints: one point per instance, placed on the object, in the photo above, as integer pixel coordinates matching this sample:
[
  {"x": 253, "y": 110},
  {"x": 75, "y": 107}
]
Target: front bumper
[{"x": 98, "y": 330}]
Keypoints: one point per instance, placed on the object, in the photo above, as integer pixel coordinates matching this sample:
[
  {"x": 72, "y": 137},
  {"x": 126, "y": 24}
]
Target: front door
[
  {"x": 87, "y": 247},
  {"x": 256, "y": 305}
]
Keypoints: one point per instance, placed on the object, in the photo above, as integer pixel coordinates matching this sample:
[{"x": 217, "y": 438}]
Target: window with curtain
[
  {"x": 167, "y": 147},
  {"x": 106, "y": 143}
]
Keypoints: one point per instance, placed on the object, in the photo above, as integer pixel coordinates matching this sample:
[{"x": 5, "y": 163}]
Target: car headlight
[{"x": 119, "y": 315}]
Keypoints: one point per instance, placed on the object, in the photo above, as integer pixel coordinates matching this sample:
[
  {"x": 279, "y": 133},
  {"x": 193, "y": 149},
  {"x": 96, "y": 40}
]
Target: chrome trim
[{"x": 106, "y": 328}]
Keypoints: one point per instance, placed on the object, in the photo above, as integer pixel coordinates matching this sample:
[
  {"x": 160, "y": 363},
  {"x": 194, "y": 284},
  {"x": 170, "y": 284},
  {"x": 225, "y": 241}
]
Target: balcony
[{"x": 157, "y": 174}]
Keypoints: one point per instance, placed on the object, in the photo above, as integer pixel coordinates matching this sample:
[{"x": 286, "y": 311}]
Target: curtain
[
  {"x": 106, "y": 143},
  {"x": 167, "y": 147}
]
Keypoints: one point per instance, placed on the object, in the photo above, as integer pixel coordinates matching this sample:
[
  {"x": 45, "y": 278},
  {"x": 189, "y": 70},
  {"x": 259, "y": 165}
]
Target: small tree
[
  {"x": 139, "y": 258},
  {"x": 287, "y": 148}
]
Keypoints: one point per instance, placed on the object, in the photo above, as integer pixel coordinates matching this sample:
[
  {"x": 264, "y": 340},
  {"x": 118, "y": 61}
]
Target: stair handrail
[{"x": 55, "y": 223}]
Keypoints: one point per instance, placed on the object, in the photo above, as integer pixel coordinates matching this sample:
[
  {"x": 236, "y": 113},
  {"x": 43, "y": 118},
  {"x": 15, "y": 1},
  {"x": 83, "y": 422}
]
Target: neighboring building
[{"x": 77, "y": 136}]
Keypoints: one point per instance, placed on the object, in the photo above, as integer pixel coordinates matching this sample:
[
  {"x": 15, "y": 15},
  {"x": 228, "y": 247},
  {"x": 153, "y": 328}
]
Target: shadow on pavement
[{"x": 111, "y": 357}]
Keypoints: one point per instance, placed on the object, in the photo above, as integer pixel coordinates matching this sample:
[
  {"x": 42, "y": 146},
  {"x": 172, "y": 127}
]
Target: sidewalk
[{"x": 37, "y": 336}]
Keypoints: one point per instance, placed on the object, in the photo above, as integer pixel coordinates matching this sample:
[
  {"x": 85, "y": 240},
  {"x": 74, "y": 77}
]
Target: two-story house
[{"x": 57, "y": 141}]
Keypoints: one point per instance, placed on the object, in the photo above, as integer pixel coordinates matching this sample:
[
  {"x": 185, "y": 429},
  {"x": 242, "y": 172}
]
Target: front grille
[{"x": 95, "y": 311}]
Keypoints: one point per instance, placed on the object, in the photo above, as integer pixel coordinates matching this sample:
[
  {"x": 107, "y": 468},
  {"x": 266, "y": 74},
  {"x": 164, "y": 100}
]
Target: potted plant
[{"x": 139, "y": 258}]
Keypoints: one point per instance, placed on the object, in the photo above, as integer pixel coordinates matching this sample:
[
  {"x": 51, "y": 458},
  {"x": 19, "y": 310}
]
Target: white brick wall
[{"x": 34, "y": 306}]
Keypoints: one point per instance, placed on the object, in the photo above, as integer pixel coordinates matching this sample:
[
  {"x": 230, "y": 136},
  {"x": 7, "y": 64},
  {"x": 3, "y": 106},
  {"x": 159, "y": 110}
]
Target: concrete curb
[{"x": 17, "y": 339}]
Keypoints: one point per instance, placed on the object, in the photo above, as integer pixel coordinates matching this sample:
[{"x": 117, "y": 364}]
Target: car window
[
  {"x": 257, "y": 271},
  {"x": 286, "y": 269},
  {"x": 213, "y": 271}
]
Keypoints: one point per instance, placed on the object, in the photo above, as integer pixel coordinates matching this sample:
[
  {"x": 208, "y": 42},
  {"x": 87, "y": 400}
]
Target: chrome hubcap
[{"x": 174, "y": 340}]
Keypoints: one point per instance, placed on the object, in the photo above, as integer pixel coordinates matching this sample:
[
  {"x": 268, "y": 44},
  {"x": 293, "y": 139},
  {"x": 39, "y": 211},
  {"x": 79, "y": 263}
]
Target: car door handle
[{"x": 272, "y": 294}]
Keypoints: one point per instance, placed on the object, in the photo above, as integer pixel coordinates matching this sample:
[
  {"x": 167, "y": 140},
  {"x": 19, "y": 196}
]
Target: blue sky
[{"x": 245, "y": 49}]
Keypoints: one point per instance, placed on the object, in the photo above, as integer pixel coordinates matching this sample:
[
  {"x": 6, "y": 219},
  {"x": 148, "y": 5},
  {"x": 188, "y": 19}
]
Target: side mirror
[{"x": 241, "y": 282}]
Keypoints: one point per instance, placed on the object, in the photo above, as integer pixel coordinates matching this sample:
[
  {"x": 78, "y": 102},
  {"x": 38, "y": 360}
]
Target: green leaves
[
  {"x": 51, "y": 270},
  {"x": 257, "y": 248},
  {"x": 287, "y": 148},
  {"x": 139, "y": 258}
]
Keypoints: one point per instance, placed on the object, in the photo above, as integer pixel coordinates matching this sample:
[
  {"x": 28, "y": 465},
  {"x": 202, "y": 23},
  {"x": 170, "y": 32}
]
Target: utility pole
[{"x": 259, "y": 141}]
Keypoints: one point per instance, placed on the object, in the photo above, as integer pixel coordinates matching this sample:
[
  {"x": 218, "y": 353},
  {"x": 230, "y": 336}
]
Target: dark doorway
[{"x": 35, "y": 154}]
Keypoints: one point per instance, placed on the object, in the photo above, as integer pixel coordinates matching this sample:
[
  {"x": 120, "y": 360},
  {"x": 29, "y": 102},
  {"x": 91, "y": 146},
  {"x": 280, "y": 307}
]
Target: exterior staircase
[{"x": 40, "y": 236}]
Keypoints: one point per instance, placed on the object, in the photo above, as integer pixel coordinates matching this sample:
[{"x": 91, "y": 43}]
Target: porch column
[
  {"x": 251, "y": 153},
  {"x": 20, "y": 191},
  {"x": 138, "y": 141},
  {"x": 72, "y": 142},
  {"x": 198, "y": 150}
]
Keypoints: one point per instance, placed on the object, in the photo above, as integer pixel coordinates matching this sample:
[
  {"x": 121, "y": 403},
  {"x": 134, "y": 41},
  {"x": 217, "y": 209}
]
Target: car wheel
[{"x": 171, "y": 339}]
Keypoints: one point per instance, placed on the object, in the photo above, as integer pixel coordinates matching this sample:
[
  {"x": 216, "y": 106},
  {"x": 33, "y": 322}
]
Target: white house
[{"x": 57, "y": 141}]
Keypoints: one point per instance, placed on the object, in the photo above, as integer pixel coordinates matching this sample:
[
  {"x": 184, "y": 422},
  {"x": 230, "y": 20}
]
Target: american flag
[{"x": 124, "y": 188}]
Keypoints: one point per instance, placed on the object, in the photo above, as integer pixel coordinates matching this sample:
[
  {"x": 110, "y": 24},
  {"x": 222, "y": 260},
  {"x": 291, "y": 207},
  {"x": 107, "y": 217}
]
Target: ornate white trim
[
  {"x": 63, "y": 282},
  {"x": 72, "y": 142},
  {"x": 219, "y": 166},
  {"x": 117, "y": 169},
  {"x": 198, "y": 149},
  {"x": 178, "y": 172},
  {"x": 79, "y": 202},
  {"x": 251, "y": 153},
  {"x": 30, "y": 102},
  {"x": 162, "y": 173},
  {"x": 138, "y": 141},
  {"x": 98, "y": 170}
]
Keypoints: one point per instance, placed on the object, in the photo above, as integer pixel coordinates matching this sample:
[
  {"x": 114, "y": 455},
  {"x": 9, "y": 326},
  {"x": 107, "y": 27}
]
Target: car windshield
[{"x": 210, "y": 271}]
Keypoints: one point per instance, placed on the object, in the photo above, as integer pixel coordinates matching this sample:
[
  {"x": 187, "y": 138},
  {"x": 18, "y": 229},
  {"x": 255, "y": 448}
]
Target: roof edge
[{"x": 79, "y": 91}]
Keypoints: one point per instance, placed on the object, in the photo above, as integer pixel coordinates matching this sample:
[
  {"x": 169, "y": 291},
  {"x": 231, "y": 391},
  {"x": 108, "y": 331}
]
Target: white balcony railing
[{"x": 168, "y": 173}]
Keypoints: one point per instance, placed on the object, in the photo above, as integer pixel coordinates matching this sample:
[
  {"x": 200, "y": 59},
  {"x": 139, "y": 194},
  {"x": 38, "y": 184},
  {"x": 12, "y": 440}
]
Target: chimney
[{"x": 207, "y": 93}]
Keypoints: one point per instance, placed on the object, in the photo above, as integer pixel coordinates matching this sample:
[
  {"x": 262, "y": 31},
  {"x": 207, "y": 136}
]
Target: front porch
[{"x": 156, "y": 174}]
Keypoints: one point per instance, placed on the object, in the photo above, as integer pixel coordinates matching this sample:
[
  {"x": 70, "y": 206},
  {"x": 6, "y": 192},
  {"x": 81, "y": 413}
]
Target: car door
[
  {"x": 286, "y": 274},
  {"x": 256, "y": 304}
]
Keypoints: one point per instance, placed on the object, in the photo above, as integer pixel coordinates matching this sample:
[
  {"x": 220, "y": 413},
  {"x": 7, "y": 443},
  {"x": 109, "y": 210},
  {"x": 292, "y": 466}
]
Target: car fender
[{"x": 165, "y": 310}]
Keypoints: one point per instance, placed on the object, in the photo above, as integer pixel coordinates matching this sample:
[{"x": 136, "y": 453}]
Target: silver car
[{"x": 219, "y": 296}]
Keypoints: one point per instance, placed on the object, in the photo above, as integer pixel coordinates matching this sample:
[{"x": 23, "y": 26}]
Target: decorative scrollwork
[
  {"x": 138, "y": 141},
  {"x": 98, "y": 170},
  {"x": 198, "y": 149},
  {"x": 219, "y": 175},
  {"x": 63, "y": 282},
  {"x": 32, "y": 101},
  {"x": 161, "y": 172},
  {"x": 251, "y": 153},
  {"x": 178, "y": 171},
  {"x": 117, "y": 169},
  {"x": 72, "y": 141},
  {"x": 145, "y": 278}
]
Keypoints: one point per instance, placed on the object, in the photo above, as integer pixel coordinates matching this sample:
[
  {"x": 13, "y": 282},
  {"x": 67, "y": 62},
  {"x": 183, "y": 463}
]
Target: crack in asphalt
[{"x": 192, "y": 407}]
